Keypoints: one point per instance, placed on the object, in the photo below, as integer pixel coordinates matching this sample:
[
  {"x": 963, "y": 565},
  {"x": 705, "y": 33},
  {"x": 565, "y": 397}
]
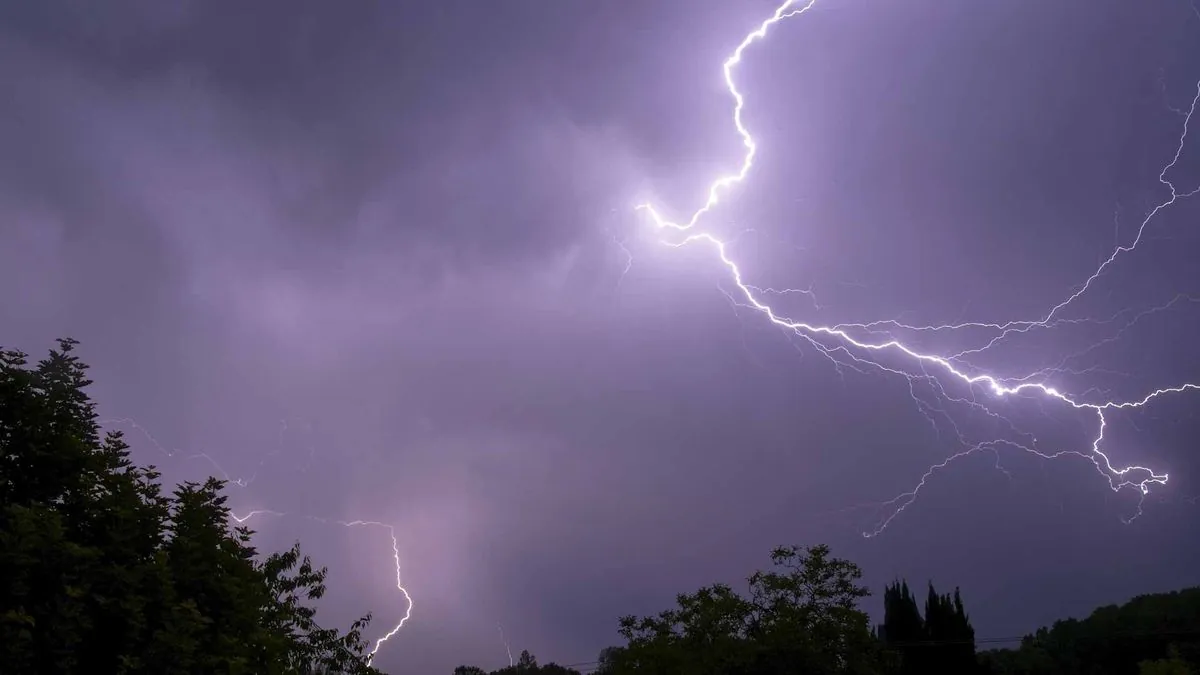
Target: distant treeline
[
  {"x": 1155, "y": 634},
  {"x": 804, "y": 621}
]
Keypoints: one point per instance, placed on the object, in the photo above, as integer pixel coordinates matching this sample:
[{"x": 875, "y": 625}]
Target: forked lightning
[{"x": 862, "y": 343}]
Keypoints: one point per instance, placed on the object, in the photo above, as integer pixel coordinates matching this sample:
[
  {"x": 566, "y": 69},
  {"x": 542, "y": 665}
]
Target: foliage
[
  {"x": 1149, "y": 634},
  {"x": 101, "y": 572},
  {"x": 1172, "y": 665},
  {"x": 801, "y": 618}
]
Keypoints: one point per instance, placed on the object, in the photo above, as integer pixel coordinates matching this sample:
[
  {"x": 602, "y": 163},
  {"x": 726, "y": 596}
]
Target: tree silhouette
[
  {"x": 100, "y": 572},
  {"x": 803, "y": 618},
  {"x": 903, "y": 629},
  {"x": 526, "y": 665},
  {"x": 1157, "y": 633},
  {"x": 942, "y": 640}
]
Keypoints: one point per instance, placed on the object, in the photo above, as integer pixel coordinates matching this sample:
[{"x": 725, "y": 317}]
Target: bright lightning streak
[
  {"x": 787, "y": 10},
  {"x": 391, "y": 530},
  {"x": 507, "y": 649},
  {"x": 837, "y": 339},
  {"x": 240, "y": 482},
  {"x": 399, "y": 586}
]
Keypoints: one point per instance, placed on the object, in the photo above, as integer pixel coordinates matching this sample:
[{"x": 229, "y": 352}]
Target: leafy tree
[
  {"x": 526, "y": 662},
  {"x": 607, "y": 661},
  {"x": 803, "y": 618},
  {"x": 102, "y": 572}
]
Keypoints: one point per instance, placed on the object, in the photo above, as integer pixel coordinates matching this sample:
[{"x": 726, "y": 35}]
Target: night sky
[{"x": 381, "y": 261}]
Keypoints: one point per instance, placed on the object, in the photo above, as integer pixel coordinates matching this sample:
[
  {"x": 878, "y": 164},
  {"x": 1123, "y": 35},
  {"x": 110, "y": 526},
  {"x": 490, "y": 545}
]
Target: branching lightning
[
  {"x": 860, "y": 346},
  {"x": 241, "y": 519}
]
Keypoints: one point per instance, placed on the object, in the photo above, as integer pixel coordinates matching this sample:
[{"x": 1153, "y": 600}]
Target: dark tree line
[
  {"x": 103, "y": 572},
  {"x": 1155, "y": 634},
  {"x": 800, "y": 617},
  {"x": 526, "y": 665},
  {"x": 803, "y": 617}
]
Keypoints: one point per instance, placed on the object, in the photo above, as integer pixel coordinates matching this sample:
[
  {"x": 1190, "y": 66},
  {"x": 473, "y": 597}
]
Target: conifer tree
[
  {"x": 903, "y": 628},
  {"x": 941, "y": 640},
  {"x": 100, "y": 572}
]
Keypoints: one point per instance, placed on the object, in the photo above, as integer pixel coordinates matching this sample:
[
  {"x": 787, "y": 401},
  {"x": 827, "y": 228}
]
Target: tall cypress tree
[
  {"x": 940, "y": 641},
  {"x": 903, "y": 629},
  {"x": 949, "y": 631},
  {"x": 965, "y": 635}
]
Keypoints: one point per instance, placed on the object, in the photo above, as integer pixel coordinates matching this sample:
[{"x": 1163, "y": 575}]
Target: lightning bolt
[
  {"x": 391, "y": 530},
  {"x": 242, "y": 519},
  {"x": 859, "y": 346},
  {"x": 507, "y": 648},
  {"x": 625, "y": 253}
]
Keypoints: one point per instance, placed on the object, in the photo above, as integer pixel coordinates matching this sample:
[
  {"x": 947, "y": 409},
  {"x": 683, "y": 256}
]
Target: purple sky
[{"x": 368, "y": 253}]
